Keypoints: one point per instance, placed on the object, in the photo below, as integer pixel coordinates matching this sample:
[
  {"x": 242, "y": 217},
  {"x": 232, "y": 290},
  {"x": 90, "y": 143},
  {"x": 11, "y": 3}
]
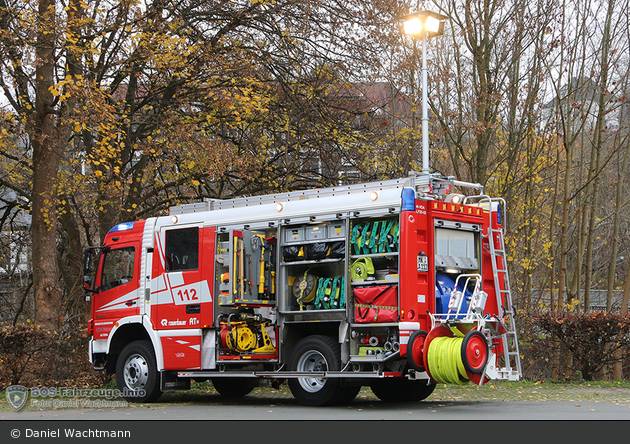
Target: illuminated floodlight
[
  {"x": 425, "y": 21},
  {"x": 412, "y": 26}
]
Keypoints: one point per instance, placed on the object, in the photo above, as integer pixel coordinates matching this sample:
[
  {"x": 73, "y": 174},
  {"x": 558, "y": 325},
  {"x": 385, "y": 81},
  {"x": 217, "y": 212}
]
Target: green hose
[{"x": 444, "y": 361}]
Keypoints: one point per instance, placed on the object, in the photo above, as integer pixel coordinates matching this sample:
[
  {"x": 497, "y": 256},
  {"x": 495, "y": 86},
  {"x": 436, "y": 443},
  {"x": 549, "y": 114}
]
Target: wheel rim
[
  {"x": 476, "y": 353},
  {"x": 136, "y": 372},
  {"x": 417, "y": 350},
  {"x": 312, "y": 361}
]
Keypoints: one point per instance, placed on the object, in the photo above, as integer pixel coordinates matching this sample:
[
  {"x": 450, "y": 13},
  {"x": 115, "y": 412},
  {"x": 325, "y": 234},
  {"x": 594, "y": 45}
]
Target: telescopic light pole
[{"x": 423, "y": 25}]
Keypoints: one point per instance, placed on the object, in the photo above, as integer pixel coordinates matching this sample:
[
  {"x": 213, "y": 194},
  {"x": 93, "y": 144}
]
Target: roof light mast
[{"x": 423, "y": 25}]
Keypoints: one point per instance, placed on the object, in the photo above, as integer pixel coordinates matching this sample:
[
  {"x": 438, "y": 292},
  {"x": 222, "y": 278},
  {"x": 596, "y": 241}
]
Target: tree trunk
[
  {"x": 626, "y": 291},
  {"x": 603, "y": 98},
  {"x": 47, "y": 288}
]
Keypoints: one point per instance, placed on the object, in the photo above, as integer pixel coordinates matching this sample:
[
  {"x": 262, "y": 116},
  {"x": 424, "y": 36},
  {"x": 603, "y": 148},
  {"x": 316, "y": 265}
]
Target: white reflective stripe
[
  {"x": 405, "y": 329},
  {"x": 170, "y": 334},
  {"x": 409, "y": 326},
  {"x": 164, "y": 292},
  {"x": 160, "y": 248},
  {"x": 175, "y": 279},
  {"x": 120, "y": 302}
]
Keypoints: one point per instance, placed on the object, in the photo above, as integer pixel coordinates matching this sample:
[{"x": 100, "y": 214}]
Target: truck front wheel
[
  {"x": 136, "y": 373},
  {"x": 318, "y": 354}
]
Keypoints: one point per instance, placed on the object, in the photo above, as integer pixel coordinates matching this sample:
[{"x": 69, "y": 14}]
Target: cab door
[
  {"x": 180, "y": 290},
  {"x": 117, "y": 287}
]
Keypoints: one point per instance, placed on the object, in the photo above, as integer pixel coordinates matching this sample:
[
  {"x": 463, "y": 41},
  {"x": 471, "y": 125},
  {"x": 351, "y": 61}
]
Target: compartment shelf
[
  {"x": 311, "y": 262},
  {"x": 374, "y": 282},
  {"x": 330, "y": 315},
  {"x": 373, "y": 255}
]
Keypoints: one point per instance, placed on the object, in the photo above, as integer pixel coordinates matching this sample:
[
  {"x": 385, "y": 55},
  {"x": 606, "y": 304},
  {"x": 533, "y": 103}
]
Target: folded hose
[{"x": 444, "y": 359}]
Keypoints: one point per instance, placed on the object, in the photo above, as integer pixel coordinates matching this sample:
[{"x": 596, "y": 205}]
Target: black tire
[
  {"x": 401, "y": 389},
  {"x": 318, "y": 353},
  {"x": 414, "y": 350},
  {"x": 233, "y": 387},
  {"x": 137, "y": 376},
  {"x": 347, "y": 394}
]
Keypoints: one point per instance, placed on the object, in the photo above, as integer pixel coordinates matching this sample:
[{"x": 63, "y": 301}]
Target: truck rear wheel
[
  {"x": 136, "y": 373},
  {"x": 233, "y": 387},
  {"x": 318, "y": 354},
  {"x": 401, "y": 390}
]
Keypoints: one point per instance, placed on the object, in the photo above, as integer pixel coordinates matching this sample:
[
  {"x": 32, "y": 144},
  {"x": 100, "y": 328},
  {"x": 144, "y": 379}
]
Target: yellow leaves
[
  {"x": 526, "y": 263},
  {"x": 572, "y": 306}
]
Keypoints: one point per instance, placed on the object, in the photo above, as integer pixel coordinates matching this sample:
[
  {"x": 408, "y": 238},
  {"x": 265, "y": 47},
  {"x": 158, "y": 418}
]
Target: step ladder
[{"x": 512, "y": 370}]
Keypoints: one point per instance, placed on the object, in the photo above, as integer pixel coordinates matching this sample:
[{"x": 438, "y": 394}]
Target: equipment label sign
[{"x": 423, "y": 263}]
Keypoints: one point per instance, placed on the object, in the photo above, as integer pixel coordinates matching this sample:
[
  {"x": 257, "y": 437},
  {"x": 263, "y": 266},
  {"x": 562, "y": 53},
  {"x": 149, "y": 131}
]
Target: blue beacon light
[{"x": 408, "y": 199}]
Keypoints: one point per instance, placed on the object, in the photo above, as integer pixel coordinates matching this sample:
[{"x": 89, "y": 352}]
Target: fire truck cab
[{"x": 396, "y": 285}]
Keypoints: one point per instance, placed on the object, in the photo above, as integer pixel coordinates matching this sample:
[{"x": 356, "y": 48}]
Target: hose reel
[
  {"x": 246, "y": 334},
  {"x": 454, "y": 358},
  {"x": 240, "y": 338},
  {"x": 304, "y": 288}
]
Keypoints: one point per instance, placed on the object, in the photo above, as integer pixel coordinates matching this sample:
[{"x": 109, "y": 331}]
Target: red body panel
[
  {"x": 416, "y": 284},
  {"x": 181, "y": 352},
  {"x": 183, "y": 299},
  {"x": 111, "y": 304},
  {"x": 417, "y": 257}
]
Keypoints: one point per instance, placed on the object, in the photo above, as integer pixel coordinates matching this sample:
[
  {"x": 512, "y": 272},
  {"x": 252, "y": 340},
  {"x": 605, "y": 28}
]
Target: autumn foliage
[
  {"x": 32, "y": 355},
  {"x": 580, "y": 345}
]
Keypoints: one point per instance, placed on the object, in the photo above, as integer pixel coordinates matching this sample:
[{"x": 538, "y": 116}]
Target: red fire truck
[{"x": 396, "y": 285}]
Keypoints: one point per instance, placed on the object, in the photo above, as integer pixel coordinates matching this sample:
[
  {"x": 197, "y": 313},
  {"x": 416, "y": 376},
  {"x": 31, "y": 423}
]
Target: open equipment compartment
[{"x": 313, "y": 267}]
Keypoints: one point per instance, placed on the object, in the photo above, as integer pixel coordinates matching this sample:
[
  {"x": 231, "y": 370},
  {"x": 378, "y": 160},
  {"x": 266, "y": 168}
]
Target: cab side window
[
  {"x": 118, "y": 265},
  {"x": 182, "y": 249}
]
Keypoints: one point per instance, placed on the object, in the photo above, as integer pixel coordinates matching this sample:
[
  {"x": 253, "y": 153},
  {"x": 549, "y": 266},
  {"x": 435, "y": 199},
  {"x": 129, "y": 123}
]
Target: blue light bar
[
  {"x": 408, "y": 199},
  {"x": 122, "y": 227}
]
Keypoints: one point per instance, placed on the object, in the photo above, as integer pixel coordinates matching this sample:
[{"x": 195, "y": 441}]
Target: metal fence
[{"x": 542, "y": 298}]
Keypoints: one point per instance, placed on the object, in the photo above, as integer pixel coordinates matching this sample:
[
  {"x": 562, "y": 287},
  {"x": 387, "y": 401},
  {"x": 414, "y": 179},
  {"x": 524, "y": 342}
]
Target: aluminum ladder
[{"x": 496, "y": 244}]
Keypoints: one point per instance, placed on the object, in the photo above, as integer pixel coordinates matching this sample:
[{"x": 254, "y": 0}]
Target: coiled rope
[{"x": 444, "y": 359}]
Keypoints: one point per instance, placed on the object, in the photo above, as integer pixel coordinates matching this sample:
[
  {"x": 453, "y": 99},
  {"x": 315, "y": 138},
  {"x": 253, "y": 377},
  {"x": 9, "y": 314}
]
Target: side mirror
[{"x": 90, "y": 262}]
